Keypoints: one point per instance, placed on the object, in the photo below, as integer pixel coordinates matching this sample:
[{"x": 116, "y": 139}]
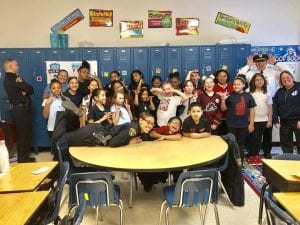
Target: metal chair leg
[
  {"x": 161, "y": 212},
  {"x": 167, "y": 215},
  {"x": 121, "y": 212},
  {"x": 216, "y": 214},
  {"x": 261, "y": 203},
  {"x": 169, "y": 178},
  {"x": 135, "y": 181},
  {"x": 131, "y": 190},
  {"x": 224, "y": 189}
]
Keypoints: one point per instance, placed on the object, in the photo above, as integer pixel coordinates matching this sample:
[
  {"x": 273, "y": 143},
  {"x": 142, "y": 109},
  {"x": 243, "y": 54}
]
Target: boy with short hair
[
  {"x": 169, "y": 132},
  {"x": 196, "y": 125}
]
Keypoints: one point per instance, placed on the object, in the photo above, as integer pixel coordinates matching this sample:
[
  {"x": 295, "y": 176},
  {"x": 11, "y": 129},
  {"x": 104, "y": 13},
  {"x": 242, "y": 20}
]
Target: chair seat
[{"x": 169, "y": 192}]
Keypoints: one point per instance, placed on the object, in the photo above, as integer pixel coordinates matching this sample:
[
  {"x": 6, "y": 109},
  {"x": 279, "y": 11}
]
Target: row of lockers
[{"x": 151, "y": 61}]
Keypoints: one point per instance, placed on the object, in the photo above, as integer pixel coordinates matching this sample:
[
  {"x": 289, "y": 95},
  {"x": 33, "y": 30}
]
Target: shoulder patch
[
  {"x": 19, "y": 79},
  {"x": 132, "y": 132}
]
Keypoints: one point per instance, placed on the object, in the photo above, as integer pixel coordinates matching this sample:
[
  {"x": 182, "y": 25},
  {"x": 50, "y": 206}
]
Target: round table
[{"x": 154, "y": 156}]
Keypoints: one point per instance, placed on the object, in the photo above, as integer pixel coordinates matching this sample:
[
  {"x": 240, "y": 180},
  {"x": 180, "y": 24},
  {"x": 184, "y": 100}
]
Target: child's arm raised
[
  {"x": 181, "y": 94},
  {"x": 156, "y": 91},
  {"x": 46, "y": 109}
]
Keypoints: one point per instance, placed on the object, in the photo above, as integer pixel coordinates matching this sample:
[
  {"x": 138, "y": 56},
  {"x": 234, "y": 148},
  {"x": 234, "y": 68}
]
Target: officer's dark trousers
[
  {"x": 23, "y": 120},
  {"x": 287, "y": 129}
]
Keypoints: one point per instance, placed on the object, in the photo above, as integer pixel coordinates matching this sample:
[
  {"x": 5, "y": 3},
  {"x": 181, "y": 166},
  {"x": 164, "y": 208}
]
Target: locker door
[
  {"x": 157, "y": 62},
  {"x": 89, "y": 53},
  {"x": 4, "y": 53},
  {"x": 106, "y": 59},
  {"x": 190, "y": 59},
  {"x": 208, "y": 59},
  {"x": 72, "y": 54},
  {"x": 226, "y": 58},
  {"x": 241, "y": 54},
  {"x": 54, "y": 54},
  {"x": 140, "y": 61},
  {"x": 21, "y": 56},
  {"x": 174, "y": 60},
  {"x": 37, "y": 70},
  {"x": 123, "y": 63}
]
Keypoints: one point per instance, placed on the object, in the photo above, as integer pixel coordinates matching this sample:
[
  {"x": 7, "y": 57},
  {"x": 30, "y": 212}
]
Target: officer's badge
[
  {"x": 19, "y": 79},
  {"x": 132, "y": 132}
]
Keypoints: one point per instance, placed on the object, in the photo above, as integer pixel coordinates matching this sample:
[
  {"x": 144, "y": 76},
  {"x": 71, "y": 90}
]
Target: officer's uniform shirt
[
  {"x": 271, "y": 74},
  {"x": 14, "y": 86}
]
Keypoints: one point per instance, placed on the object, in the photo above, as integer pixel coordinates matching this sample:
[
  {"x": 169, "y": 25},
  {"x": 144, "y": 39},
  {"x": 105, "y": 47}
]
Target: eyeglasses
[{"x": 150, "y": 123}]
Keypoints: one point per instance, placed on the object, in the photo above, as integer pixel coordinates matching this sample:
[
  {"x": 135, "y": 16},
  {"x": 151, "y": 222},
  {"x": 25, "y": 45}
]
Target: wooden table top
[
  {"x": 17, "y": 208},
  {"x": 287, "y": 169},
  {"x": 291, "y": 202},
  {"x": 154, "y": 155},
  {"x": 20, "y": 178}
]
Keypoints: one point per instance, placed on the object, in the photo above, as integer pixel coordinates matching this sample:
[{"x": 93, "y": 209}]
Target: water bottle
[{"x": 4, "y": 157}]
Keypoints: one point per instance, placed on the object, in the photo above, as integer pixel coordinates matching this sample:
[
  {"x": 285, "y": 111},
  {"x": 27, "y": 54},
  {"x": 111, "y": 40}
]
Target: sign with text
[
  {"x": 101, "y": 18},
  {"x": 159, "y": 19},
  {"x": 232, "y": 22},
  {"x": 131, "y": 29},
  {"x": 67, "y": 22},
  {"x": 187, "y": 26}
]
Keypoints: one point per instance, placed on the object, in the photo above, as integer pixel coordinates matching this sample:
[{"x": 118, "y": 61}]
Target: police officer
[{"x": 18, "y": 92}]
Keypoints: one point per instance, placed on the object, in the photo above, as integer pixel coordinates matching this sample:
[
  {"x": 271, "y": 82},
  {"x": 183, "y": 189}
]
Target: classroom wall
[{"x": 27, "y": 23}]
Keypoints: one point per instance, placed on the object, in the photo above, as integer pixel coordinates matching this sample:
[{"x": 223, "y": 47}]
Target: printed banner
[
  {"x": 67, "y": 22},
  {"x": 52, "y": 68},
  {"x": 131, "y": 29},
  {"x": 232, "y": 22},
  {"x": 101, "y": 18},
  {"x": 187, "y": 26},
  {"x": 288, "y": 54},
  {"x": 159, "y": 19}
]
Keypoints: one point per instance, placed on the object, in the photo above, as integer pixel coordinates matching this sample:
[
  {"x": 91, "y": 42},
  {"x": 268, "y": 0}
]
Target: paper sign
[
  {"x": 101, "y": 18},
  {"x": 131, "y": 29},
  {"x": 187, "y": 26},
  {"x": 105, "y": 74},
  {"x": 157, "y": 70},
  {"x": 174, "y": 70},
  {"x": 232, "y": 22},
  {"x": 67, "y": 22},
  {"x": 159, "y": 19}
]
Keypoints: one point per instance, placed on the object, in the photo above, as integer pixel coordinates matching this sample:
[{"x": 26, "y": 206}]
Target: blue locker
[
  {"x": 21, "y": 56},
  {"x": 4, "y": 53},
  {"x": 208, "y": 59},
  {"x": 89, "y": 53},
  {"x": 37, "y": 70},
  {"x": 54, "y": 54},
  {"x": 157, "y": 62},
  {"x": 72, "y": 54},
  {"x": 226, "y": 58},
  {"x": 140, "y": 61},
  {"x": 242, "y": 51},
  {"x": 190, "y": 58},
  {"x": 174, "y": 61},
  {"x": 106, "y": 63},
  {"x": 123, "y": 63}
]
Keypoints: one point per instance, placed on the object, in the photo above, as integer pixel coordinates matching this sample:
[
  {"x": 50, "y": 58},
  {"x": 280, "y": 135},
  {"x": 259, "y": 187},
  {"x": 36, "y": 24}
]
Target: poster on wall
[
  {"x": 53, "y": 67},
  {"x": 159, "y": 19},
  {"x": 232, "y": 22},
  {"x": 101, "y": 18},
  {"x": 131, "y": 29},
  {"x": 287, "y": 54},
  {"x": 187, "y": 26},
  {"x": 67, "y": 22}
]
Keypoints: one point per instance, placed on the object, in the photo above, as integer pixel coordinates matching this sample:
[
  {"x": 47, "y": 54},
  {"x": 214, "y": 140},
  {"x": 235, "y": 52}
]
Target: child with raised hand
[
  {"x": 143, "y": 102},
  {"x": 120, "y": 109},
  {"x": 189, "y": 91},
  {"x": 169, "y": 100},
  {"x": 210, "y": 102},
  {"x": 240, "y": 112},
  {"x": 137, "y": 82},
  {"x": 169, "y": 132},
  {"x": 196, "y": 126},
  {"x": 262, "y": 118},
  {"x": 98, "y": 113}
]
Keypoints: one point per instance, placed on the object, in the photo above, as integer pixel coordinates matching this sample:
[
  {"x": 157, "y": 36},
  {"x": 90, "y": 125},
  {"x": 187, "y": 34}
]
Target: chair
[
  {"x": 193, "y": 188},
  {"x": 77, "y": 219},
  {"x": 97, "y": 189},
  {"x": 276, "y": 215},
  {"x": 56, "y": 195},
  {"x": 287, "y": 156}
]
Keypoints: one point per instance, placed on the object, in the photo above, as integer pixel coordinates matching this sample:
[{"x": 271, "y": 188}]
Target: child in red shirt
[{"x": 169, "y": 132}]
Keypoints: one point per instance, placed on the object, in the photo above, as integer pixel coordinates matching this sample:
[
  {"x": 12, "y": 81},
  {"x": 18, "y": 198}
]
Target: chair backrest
[
  {"x": 276, "y": 215},
  {"x": 57, "y": 194},
  {"x": 79, "y": 213},
  {"x": 195, "y": 187},
  {"x": 62, "y": 147},
  {"x": 96, "y": 188},
  {"x": 287, "y": 156}
]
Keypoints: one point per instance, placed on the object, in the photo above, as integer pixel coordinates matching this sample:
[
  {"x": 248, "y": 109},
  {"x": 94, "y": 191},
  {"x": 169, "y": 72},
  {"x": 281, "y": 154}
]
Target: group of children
[{"x": 202, "y": 106}]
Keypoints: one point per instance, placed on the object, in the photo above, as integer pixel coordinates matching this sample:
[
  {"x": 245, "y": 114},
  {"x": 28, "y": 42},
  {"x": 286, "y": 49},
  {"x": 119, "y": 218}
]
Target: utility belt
[{"x": 24, "y": 105}]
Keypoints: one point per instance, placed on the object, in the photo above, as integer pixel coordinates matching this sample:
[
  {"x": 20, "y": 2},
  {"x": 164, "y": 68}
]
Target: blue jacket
[{"x": 286, "y": 103}]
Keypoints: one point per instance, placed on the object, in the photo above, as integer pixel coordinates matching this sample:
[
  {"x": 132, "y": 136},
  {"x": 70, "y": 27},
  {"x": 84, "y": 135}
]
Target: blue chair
[
  {"x": 97, "y": 189},
  {"x": 193, "y": 188},
  {"x": 276, "y": 215},
  {"x": 56, "y": 195}
]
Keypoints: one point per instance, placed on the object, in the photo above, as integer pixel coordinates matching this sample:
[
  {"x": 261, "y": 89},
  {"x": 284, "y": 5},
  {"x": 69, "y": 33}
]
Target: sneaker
[
  {"x": 69, "y": 105},
  {"x": 100, "y": 137}
]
